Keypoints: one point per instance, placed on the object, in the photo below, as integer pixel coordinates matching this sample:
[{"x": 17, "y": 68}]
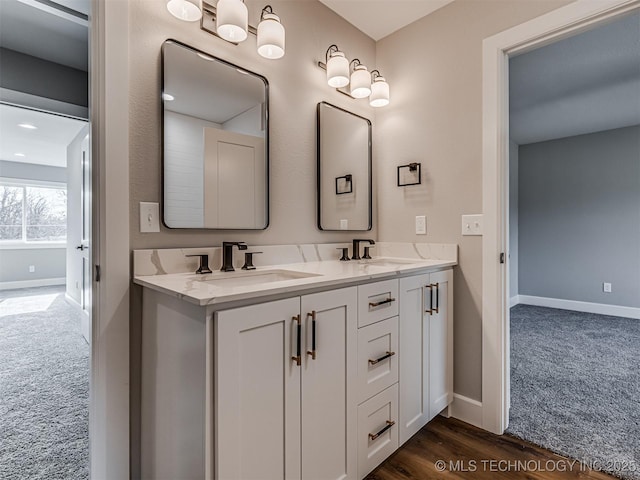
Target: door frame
[
  {"x": 551, "y": 27},
  {"x": 109, "y": 422}
]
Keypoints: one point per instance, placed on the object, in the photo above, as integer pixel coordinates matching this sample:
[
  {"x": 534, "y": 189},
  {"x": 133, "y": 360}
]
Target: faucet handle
[
  {"x": 366, "y": 255},
  {"x": 203, "y": 266},
  {"x": 248, "y": 260},
  {"x": 345, "y": 254}
]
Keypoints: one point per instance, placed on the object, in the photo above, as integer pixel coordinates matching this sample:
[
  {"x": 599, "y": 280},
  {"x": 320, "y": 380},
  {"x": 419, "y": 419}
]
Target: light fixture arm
[
  {"x": 375, "y": 74},
  {"x": 332, "y": 49},
  {"x": 266, "y": 9},
  {"x": 355, "y": 62}
]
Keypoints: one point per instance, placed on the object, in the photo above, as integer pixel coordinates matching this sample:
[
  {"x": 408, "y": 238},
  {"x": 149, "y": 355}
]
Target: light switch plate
[
  {"x": 149, "y": 217},
  {"x": 472, "y": 224},
  {"x": 344, "y": 224},
  {"x": 421, "y": 225}
]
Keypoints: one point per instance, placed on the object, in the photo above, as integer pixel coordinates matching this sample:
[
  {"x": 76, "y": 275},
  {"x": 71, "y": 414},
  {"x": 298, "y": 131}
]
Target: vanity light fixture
[
  {"x": 187, "y": 10},
  {"x": 337, "y": 67},
  {"x": 229, "y": 20},
  {"x": 270, "y": 37},
  {"x": 379, "y": 90},
  {"x": 341, "y": 73},
  {"x": 360, "y": 80},
  {"x": 232, "y": 20}
]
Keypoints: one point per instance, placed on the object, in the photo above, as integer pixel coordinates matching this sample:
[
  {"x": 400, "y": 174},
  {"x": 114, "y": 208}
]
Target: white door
[
  {"x": 257, "y": 392},
  {"x": 329, "y": 385},
  {"x": 414, "y": 361},
  {"x": 85, "y": 241}
]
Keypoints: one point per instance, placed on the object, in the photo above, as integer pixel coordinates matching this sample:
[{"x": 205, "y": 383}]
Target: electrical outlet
[
  {"x": 32, "y": 268},
  {"x": 606, "y": 287},
  {"x": 472, "y": 224},
  {"x": 149, "y": 217},
  {"x": 344, "y": 224},
  {"x": 421, "y": 225}
]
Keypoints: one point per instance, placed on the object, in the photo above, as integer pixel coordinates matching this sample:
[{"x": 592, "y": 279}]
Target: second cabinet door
[{"x": 329, "y": 412}]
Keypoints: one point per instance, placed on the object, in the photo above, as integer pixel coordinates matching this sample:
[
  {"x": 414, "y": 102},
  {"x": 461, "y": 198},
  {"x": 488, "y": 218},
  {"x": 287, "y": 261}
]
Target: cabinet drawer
[
  {"x": 377, "y": 357},
  {"x": 377, "y": 430},
  {"x": 377, "y": 301}
]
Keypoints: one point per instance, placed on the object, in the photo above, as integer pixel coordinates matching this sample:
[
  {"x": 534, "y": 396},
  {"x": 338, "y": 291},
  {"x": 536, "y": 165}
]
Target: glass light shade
[
  {"x": 270, "y": 37},
  {"x": 360, "y": 82},
  {"x": 187, "y": 10},
  {"x": 379, "y": 93},
  {"x": 232, "y": 20},
  {"x": 337, "y": 70}
]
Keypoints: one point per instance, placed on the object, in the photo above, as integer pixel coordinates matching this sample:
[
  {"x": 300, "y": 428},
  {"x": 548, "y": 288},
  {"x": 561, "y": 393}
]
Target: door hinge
[
  {"x": 97, "y": 273},
  {"x": 502, "y": 257}
]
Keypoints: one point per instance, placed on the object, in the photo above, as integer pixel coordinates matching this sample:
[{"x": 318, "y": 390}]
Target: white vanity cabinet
[
  {"x": 284, "y": 406},
  {"x": 426, "y": 349}
]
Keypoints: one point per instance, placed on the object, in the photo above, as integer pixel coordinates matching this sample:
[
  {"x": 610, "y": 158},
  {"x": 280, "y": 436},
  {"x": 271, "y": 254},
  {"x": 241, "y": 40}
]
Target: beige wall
[
  {"x": 296, "y": 86},
  {"x": 434, "y": 67}
]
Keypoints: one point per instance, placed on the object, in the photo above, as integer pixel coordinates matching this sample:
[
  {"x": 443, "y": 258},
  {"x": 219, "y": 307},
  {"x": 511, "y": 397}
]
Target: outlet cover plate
[{"x": 421, "y": 225}]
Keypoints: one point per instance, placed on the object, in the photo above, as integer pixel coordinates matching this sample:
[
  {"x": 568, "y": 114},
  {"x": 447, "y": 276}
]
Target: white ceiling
[
  {"x": 48, "y": 30},
  {"x": 583, "y": 84},
  {"x": 45, "y": 146},
  {"x": 379, "y": 18}
]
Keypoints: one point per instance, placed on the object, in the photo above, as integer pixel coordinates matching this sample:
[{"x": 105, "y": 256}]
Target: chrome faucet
[
  {"x": 227, "y": 254},
  {"x": 356, "y": 247}
]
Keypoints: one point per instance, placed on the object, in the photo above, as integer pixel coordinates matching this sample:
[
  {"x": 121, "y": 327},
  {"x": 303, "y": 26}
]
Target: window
[{"x": 32, "y": 213}]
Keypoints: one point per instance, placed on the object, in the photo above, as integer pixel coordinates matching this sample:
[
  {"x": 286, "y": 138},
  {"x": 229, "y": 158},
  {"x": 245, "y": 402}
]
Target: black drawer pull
[
  {"x": 384, "y": 357},
  {"x": 430, "y": 309},
  {"x": 437, "y": 286},
  {"x": 312, "y": 352},
  {"x": 389, "y": 424},
  {"x": 381, "y": 302}
]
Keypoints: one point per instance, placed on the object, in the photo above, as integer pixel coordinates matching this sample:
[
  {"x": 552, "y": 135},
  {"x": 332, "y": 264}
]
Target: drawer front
[
  {"x": 377, "y": 357},
  {"x": 377, "y": 301},
  {"x": 377, "y": 430}
]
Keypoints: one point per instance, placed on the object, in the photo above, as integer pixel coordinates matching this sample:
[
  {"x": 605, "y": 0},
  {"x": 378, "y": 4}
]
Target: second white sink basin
[{"x": 241, "y": 279}]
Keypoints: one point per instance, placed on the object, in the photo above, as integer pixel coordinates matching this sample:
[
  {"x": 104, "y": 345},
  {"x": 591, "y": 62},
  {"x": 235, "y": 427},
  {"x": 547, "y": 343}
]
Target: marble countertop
[{"x": 322, "y": 274}]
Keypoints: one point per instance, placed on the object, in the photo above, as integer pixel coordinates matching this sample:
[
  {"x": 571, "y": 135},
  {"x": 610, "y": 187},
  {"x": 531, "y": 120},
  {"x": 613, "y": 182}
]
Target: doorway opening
[
  {"x": 45, "y": 239},
  {"x": 567, "y": 21},
  {"x": 574, "y": 183}
]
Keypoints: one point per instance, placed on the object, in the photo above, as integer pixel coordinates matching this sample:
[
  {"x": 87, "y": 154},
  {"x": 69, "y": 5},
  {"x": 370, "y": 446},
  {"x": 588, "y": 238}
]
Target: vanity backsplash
[{"x": 175, "y": 260}]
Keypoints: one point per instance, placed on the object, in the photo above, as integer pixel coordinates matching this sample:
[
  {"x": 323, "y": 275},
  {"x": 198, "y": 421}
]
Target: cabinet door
[
  {"x": 257, "y": 392},
  {"x": 329, "y": 412},
  {"x": 440, "y": 341},
  {"x": 414, "y": 361}
]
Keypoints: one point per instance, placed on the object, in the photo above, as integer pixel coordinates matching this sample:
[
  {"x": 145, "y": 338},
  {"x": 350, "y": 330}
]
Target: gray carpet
[
  {"x": 575, "y": 386},
  {"x": 44, "y": 387}
]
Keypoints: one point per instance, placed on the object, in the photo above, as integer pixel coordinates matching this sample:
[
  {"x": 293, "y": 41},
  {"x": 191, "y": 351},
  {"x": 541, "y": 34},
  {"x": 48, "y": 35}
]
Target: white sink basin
[
  {"x": 387, "y": 262},
  {"x": 242, "y": 278}
]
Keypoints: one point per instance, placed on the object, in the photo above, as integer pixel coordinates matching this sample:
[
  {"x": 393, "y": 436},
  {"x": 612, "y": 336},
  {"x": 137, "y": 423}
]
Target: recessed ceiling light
[
  {"x": 19, "y": 154},
  {"x": 167, "y": 97},
  {"x": 28, "y": 126}
]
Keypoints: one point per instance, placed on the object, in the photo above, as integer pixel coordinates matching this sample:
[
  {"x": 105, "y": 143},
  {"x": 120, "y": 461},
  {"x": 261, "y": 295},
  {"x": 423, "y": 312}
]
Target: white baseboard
[
  {"x": 44, "y": 282},
  {"x": 515, "y": 300},
  {"x": 600, "y": 308},
  {"x": 466, "y": 409},
  {"x": 73, "y": 302}
]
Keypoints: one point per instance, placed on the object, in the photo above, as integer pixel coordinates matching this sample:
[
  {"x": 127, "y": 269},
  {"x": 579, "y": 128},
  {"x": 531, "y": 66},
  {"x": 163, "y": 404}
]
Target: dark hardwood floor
[{"x": 448, "y": 449}]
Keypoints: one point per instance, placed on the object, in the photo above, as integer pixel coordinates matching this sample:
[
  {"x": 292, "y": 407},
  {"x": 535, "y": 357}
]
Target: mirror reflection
[
  {"x": 344, "y": 169},
  {"x": 215, "y": 155}
]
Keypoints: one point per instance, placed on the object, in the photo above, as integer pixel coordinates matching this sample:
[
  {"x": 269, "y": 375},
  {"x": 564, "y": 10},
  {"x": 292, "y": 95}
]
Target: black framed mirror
[
  {"x": 344, "y": 169},
  {"x": 215, "y": 161}
]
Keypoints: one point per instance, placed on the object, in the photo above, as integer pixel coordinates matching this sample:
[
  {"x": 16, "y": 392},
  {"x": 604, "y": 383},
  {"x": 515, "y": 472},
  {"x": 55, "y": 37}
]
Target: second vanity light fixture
[
  {"x": 341, "y": 72},
  {"x": 231, "y": 18}
]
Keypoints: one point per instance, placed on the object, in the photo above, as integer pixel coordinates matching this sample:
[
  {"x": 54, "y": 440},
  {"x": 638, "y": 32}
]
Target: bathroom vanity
[{"x": 315, "y": 369}]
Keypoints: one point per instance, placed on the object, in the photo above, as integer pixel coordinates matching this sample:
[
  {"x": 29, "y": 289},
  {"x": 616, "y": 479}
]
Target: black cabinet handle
[
  {"x": 382, "y": 302},
  {"x": 430, "y": 310},
  {"x": 298, "y": 358},
  {"x": 389, "y": 424},
  {"x": 437, "y": 309},
  {"x": 384, "y": 357},
  {"x": 312, "y": 352}
]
